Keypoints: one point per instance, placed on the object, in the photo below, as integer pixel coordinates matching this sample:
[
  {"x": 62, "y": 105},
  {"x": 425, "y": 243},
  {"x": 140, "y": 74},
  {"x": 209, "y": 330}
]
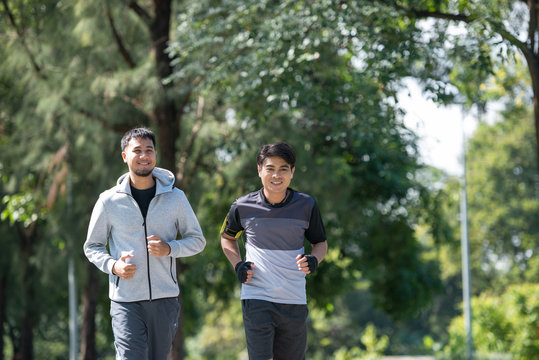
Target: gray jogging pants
[{"x": 144, "y": 330}]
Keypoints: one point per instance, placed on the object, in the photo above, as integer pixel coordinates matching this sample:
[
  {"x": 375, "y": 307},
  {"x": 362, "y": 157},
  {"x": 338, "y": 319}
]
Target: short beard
[{"x": 142, "y": 173}]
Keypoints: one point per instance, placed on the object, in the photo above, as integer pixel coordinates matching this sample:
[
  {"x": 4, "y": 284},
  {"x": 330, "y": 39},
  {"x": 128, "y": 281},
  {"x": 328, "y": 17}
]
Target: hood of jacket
[{"x": 164, "y": 180}]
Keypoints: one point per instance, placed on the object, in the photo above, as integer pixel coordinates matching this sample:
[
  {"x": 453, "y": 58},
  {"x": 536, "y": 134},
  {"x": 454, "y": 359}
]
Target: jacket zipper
[
  {"x": 147, "y": 258},
  {"x": 146, "y": 240}
]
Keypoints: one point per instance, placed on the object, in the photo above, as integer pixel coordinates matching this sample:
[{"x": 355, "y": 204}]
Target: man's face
[
  {"x": 276, "y": 175},
  {"x": 139, "y": 155}
]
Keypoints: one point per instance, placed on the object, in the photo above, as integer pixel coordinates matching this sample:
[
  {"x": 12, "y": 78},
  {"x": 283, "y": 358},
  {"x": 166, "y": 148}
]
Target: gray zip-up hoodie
[{"x": 117, "y": 219}]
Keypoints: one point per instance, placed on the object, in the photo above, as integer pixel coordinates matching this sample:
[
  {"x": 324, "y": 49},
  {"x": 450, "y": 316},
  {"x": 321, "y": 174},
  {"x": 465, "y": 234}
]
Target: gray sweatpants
[{"x": 144, "y": 330}]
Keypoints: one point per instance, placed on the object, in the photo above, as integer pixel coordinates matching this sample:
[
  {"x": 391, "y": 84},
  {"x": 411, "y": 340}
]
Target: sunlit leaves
[
  {"x": 22, "y": 208},
  {"x": 504, "y": 324}
]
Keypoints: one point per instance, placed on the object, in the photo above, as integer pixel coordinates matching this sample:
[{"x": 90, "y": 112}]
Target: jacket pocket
[
  {"x": 114, "y": 282},
  {"x": 172, "y": 275}
]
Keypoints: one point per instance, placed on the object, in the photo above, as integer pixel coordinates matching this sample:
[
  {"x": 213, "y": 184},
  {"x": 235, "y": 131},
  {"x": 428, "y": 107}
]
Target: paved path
[{"x": 408, "y": 358}]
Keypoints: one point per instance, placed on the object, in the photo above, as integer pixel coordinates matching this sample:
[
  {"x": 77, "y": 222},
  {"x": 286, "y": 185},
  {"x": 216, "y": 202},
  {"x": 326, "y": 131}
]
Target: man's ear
[{"x": 124, "y": 156}]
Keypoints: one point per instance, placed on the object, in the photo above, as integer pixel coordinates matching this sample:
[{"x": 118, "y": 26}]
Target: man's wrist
[
  {"x": 241, "y": 270},
  {"x": 312, "y": 261},
  {"x": 238, "y": 264}
]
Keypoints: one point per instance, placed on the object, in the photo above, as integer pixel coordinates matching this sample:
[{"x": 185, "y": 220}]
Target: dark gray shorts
[
  {"x": 144, "y": 330},
  {"x": 273, "y": 330}
]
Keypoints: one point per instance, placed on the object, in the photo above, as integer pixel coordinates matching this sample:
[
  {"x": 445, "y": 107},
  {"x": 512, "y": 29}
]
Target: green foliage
[
  {"x": 222, "y": 336},
  {"x": 293, "y": 69},
  {"x": 46, "y": 139},
  {"x": 321, "y": 75},
  {"x": 400, "y": 274},
  {"x": 505, "y": 324},
  {"x": 502, "y": 203},
  {"x": 374, "y": 347},
  {"x": 502, "y": 219}
]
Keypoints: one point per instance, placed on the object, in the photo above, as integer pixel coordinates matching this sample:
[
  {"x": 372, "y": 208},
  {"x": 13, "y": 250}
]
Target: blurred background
[{"x": 345, "y": 83}]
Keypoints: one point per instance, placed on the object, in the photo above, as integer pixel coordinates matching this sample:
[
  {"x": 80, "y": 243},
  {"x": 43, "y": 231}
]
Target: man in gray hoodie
[{"x": 140, "y": 219}]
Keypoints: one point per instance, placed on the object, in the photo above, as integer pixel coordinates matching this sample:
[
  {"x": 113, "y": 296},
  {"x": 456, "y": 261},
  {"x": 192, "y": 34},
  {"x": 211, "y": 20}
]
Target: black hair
[
  {"x": 279, "y": 149},
  {"x": 141, "y": 133}
]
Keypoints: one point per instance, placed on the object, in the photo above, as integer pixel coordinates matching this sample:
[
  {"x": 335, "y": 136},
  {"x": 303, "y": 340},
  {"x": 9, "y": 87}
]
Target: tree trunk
[
  {"x": 168, "y": 117},
  {"x": 27, "y": 238},
  {"x": 89, "y": 310},
  {"x": 3, "y": 288},
  {"x": 533, "y": 67},
  {"x": 168, "y": 132},
  {"x": 536, "y": 120},
  {"x": 27, "y": 336},
  {"x": 531, "y": 56},
  {"x": 165, "y": 112}
]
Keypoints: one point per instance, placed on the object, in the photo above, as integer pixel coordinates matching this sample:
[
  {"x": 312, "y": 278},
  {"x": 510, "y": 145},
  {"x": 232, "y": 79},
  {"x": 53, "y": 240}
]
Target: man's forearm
[
  {"x": 320, "y": 250},
  {"x": 231, "y": 249}
]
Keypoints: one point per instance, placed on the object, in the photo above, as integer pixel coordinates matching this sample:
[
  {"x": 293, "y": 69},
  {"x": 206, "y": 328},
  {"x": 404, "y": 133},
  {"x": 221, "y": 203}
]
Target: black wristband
[
  {"x": 312, "y": 261},
  {"x": 241, "y": 270}
]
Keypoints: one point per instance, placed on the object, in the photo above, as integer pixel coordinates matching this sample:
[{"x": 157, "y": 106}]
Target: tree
[
  {"x": 502, "y": 204},
  {"x": 502, "y": 213},
  {"x": 502, "y": 26},
  {"x": 288, "y": 66},
  {"x": 323, "y": 75},
  {"x": 103, "y": 69}
]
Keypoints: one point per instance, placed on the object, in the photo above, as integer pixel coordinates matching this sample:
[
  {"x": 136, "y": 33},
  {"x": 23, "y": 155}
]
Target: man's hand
[
  {"x": 307, "y": 263},
  {"x": 157, "y": 247},
  {"x": 124, "y": 270},
  {"x": 244, "y": 271}
]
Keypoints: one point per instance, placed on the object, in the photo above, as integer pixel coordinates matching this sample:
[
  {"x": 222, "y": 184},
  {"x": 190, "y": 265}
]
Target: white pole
[
  {"x": 73, "y": 333},
  {"x": 466, "y": 287}
]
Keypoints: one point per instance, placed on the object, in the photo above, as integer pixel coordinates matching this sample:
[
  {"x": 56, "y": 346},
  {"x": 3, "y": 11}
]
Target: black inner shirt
[{"x": 143, "y": 198}]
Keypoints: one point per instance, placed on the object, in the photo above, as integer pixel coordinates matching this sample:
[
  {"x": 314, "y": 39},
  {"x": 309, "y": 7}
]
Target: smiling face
[
  {"x": 140, "y": 155},
  {"x": 276, "y": 175}
]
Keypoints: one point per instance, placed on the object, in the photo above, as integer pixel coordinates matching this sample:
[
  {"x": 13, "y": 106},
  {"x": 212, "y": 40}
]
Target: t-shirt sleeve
[
  {"x": 232, "y": 224},
  {"x": 316, "y": 232}
]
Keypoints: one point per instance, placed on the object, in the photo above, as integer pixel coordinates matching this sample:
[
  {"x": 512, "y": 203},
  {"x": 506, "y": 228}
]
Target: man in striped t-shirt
[{"x": 276, "y": 221}]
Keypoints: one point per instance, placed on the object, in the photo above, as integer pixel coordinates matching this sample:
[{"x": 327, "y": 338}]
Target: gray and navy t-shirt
[{"x": 275, "y": 234}]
